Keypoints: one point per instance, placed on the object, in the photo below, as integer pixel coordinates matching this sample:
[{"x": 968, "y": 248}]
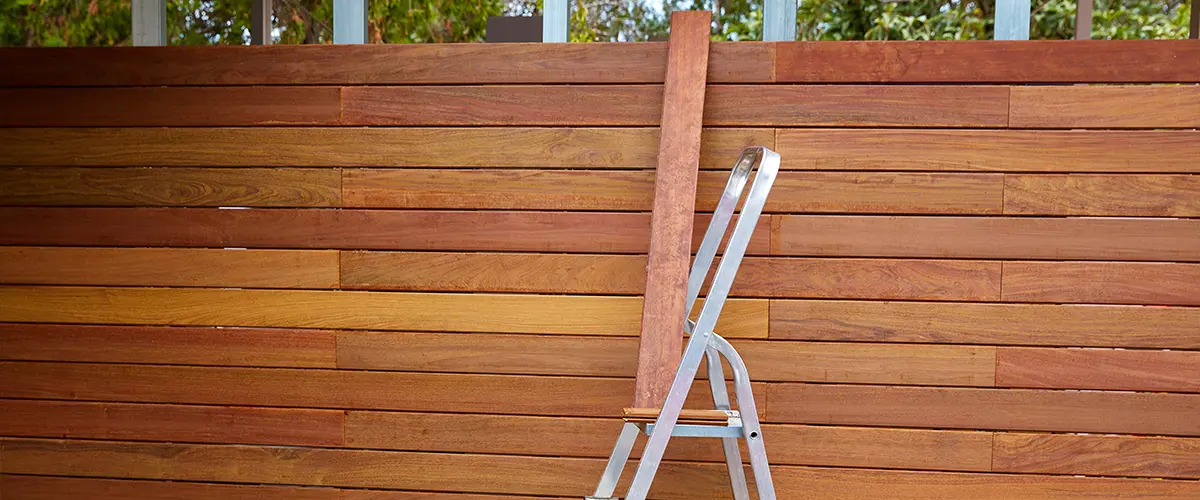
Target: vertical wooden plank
[{"x": 674, "y": 205}]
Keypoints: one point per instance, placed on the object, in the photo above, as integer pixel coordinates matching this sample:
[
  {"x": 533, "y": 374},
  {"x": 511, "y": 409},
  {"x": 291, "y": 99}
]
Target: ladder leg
[
  {"x": 754, "y": 440},
  {"x": 616, "y": 461},
  {"x": 733, "y": 455}
]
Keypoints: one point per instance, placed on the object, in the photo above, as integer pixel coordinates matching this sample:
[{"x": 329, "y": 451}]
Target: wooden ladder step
[{"x": 698, "y": 417}]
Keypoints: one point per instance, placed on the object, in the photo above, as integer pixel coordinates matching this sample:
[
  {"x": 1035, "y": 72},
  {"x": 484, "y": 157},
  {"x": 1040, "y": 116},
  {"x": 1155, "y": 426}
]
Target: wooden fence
[{"x": 412, "y": 272}]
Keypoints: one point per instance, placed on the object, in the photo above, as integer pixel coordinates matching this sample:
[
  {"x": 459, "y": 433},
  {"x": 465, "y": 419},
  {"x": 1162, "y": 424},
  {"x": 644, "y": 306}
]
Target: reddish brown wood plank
[
  {"x": 868, "y": 278},
  {"x": 1043, "y": 61},
  {"x": 1097, "y": 455},
  {"x": 841, "y": 192},
  {"x": 180, "y": 186},
  {"x": 870, "y": 363},
  {"x": 1005, "y": 324},
  {"x": 169, "y": 107},
  {"x": 971, "y": 408},
  {"x": 188, "y": 424},
  {"x": 1074, "y": 106},
  {"x": 1102, "y": 195},
  {"x": 68, "y": 488},
  {"x": 169, "y": 345},
  {"x": 987, "y": 237},
  {"x": 1151, "y": 283},
  {"x": 538, "y": 147},
  {"x": 1111, "y": 151},
  {"x": 664, "y": 311},
  {"x": 169, "y": 267},
  {"x": 857, "y": 106},
  {"x": 1104, "y": 369},
  {"x": 373, "y": 64},
  {"x": 546, "y": 105},
  {"x": 496, "y": 272}
]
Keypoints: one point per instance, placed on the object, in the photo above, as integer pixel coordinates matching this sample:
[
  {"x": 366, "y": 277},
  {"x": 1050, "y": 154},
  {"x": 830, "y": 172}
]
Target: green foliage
[{"x": 53, "y": 23}]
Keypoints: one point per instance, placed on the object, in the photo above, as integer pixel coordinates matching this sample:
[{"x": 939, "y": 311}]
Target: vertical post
[
  {"x": 1194, "y": 26},
  {"x": 1012, "y": 19},
  {"x": 150, "y": 23},
  {"x": 779, "y": 20},
  {"x": 349, "y": 21},
  {"x": 260, "y": 22},
  {"x": 554, "y": 21},
  {"x": 1083, "y": 20}
]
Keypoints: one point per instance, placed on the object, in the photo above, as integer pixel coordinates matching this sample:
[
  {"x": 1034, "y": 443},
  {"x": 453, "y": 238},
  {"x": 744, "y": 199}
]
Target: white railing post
[
  {"x": 349, "y": 21},
  {"x": 149, "y": 23},
  {"x": 779, "y": 20},
  {"x": 1012, "y": 19},
  {"x": 554, "y": 21}
]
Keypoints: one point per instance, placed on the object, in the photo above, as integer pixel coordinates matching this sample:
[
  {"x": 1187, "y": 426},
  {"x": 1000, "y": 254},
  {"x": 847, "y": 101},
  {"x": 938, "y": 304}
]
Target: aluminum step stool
[{"x": 724, "y": 423}]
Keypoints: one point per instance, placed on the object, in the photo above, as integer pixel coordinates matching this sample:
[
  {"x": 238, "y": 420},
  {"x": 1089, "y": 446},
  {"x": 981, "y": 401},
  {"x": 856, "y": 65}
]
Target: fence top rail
[{"x": 983, "y": 62}]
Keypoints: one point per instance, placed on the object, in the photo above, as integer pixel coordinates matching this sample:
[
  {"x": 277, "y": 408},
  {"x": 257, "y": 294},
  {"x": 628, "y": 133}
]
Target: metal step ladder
[{"x": 729, "y": 425}]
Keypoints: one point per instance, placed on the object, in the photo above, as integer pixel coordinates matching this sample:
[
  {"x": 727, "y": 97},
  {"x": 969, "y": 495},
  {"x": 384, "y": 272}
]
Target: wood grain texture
[
  {"x": 971, "y": 408},
  {"x": 627, "y": 148},
  {"x": 870, "y": 363},
  {"x": 1154, "y": 283},
  {"x": 539, "y": 105},
  {"x": 497, "y": 272},
  {"x": 375, "y": 64},
  {"x": 987, "y": 237},
  {"x": 1111, "y": 151},
  {"x": 479, "y": 231},
  {"x": 840, "y": 192},
  {"x": 868, "y": 278},
  {"x": 1003, "y": 324},
  {"x": 182, "y": 186},
  {"x": 857, "y": 106},
  {"x": 169, "y": 106},
  {"x": 66, "y": 488},
  {"x": 1097, "y": 455},
  {"x": 542, "y": 314},
  {"x": 1102, "y": 369},
  {"x": 665, "y": 310},
  {"x": 169, "y": 345},
  {"x": 177, "y": 423},
  {"x": 185, "y": 267},
  {"x": 1102, "y": 195},
  {"x": 1042, "y": 61},
  {"x": 1074, "y": 106}
]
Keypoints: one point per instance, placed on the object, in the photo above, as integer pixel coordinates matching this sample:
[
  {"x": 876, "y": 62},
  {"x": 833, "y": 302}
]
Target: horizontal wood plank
[
  {"x": 485, "y": 313},
  {"x": 1003, "y": 324},
  {"x": 180, "y": 186},
  {"x": 1102, "y": 195},
  {"x": 868, "y": 278},
  {"x": 840, "y": 192},
  {"x": 1102, "y": 369},
  {"x": 1097, "y": 455},
  {"x": 856, "y": 106},
  {"x": 1042, "y": 61},
  {"x": 169, "y": 345},
  {"x": 998, "y": 409},
  {"x": 627, "y": 148},
  {"x": 1152, "y": 283},
  {"x": 66, "y": 488},
  {"x": 869, "y": 363},
  {"x": 169, "y": 107},
  {"x": 177, "y": 423},
  {"x": 480, "y": 231},
  {"x": 1075, "y": 106},
  {"x": 987, "y": 237},
  {"x": 1113, "y": 151},
  {"x": 406, "y": 64},
  {"x": 184, "y": 267}
]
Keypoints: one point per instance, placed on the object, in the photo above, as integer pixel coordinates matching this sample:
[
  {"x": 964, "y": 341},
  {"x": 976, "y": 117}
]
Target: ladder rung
[{"x": 649, "y": 415}]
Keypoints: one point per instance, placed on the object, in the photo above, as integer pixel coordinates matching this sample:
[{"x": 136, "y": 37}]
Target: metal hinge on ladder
[{"x": 729, "y": 425}]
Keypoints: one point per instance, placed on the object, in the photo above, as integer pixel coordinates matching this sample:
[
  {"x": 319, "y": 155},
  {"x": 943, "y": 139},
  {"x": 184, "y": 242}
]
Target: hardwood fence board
[
  {"x": 987, "y": 237},
  {"x": 189, "y": 424},
  {"x": 1103, "y": 282},
  {"x": 1074, "y": 106},
  {"x": 169, "y": 345},
  {"x": 1102, "y": 195},
  {"x": 857, "y": 106},
  {"x": 481, "y": 231},
  {"x": 546, "y": 314},
  {"x": 840, "y": 192},
  {"x": 870, "y": 363},
  {"x": 185, "y": 267},
  {"x": 1003, "y": 324},
  {"x": 538, "y": 105},
  {"x": 868, "y": 278},
  {"x": 1140, "y": 151},
  {"x": 1042, "y": 61},
  {"x": 998, "y": 409},
  {"x": 1097, "y": 455},
  {"x": 628, "y": 148},
  {"x": 182, "y": 186},
  {"x": 67, "y": 488},
  {"x": 1102, "y": 369},
  {"x": 169, "y": 107}
]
